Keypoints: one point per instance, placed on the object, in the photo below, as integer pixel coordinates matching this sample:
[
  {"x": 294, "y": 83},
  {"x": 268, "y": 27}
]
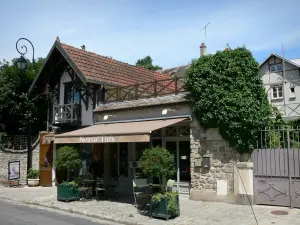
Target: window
[
  {"x": 277, "y": 92},
  {"x": 292, "y": 90},
  {"x": 71, "y": 95},
  {"x": 276, "y": 67}
]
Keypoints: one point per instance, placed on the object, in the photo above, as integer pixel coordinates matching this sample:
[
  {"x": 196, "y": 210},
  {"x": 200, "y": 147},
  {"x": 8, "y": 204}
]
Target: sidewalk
[{"x": 192, "y": 212}]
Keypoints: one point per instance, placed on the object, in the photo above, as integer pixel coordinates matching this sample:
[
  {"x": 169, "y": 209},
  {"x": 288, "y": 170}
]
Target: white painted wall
[
  {"x": 289, "y": 106},
  {"x": 86, "y": 115}
]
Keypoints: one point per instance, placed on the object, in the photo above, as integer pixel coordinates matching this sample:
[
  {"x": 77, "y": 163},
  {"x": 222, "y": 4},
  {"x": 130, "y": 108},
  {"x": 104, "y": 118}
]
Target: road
[{"x": 16, "y": 214}]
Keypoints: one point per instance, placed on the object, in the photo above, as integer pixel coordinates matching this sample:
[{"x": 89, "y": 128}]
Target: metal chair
[
  {"x": 99, "y": 186},
  {"x": 170, "y": 185},
  {"x": 85, "y": 191},
  {"x": 139, "y": 186}
]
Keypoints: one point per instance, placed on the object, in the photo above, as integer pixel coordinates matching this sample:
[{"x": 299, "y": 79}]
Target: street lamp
[{"x": 21, "y": 64}]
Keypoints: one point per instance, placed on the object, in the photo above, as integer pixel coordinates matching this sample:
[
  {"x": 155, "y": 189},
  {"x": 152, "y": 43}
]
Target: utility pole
[{"x": 283, "y": 74}]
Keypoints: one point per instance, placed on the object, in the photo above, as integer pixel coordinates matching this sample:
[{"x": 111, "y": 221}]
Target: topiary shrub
[{"x": 68, "y": 158}]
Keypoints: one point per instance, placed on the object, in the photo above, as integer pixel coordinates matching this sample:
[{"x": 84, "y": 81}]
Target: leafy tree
[
  {"x": 17, "y": 107},
  {"x": 146, "y": 62},
  {"x": 227, "y": 92},
  {"x": 68, "y": 158},
  {"x": 157, "y": 162}
]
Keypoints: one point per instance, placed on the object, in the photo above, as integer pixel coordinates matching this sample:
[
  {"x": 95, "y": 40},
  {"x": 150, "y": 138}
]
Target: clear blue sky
[{"x": 167, "y": 30}]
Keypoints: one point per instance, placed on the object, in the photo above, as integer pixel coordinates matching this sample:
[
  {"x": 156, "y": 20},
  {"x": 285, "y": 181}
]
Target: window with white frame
[
  {"x": 276, "y": 67},
  {"x": 277, "y": 92}
]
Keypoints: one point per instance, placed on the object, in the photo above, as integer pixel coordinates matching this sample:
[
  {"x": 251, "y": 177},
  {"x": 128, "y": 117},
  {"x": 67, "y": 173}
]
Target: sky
[{"x": 170, "y": 31}]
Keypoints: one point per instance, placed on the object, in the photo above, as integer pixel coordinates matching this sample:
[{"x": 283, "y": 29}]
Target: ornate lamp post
[{"x": 21, "y": 64}]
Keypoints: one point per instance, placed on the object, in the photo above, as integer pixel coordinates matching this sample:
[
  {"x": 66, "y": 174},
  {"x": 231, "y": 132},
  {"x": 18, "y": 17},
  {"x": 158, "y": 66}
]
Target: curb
[{"x": 78, "y": 212}]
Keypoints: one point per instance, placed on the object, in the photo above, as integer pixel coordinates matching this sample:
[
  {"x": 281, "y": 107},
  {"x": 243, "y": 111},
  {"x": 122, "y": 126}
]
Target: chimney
[
  {"x": 202, "y": 49},
  {"x": 83, "y": 47}
]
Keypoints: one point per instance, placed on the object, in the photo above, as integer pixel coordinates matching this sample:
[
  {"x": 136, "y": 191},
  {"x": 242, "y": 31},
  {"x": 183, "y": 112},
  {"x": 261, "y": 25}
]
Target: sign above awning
[{"x": 115, "y": 132}]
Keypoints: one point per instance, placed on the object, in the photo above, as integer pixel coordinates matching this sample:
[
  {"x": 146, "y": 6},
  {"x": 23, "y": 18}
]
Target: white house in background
[{"x": 281, "y": 78}]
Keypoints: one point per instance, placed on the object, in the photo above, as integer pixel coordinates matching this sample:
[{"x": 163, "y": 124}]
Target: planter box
[
  {"x": 160, "y": 209},
  {"x": 65, "y": 193},
  {"x": 33, "y": 182}
]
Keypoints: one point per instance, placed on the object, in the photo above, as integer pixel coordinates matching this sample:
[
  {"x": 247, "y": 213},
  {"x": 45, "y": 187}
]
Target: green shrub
[
  {"x": 33, "y": 174},
  {"x": 226, "y": 92}
]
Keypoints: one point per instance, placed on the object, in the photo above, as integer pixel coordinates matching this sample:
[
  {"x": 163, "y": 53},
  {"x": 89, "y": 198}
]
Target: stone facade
[
  {"x": 217, "y": 182},
  {"x": 10, "y": 154}
]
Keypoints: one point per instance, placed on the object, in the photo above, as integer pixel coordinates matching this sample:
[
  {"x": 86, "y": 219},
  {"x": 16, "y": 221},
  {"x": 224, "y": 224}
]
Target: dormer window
[{"x": 276, "y": 67}]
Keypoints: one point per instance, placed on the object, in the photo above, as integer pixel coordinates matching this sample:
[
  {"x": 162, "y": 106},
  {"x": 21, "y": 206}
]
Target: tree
[
  {"x": 146, "y": 62},
  {"x": 68, "y": 158},
  {"x": 226, "y": 92},
  {"x": 157, "y": 162},
  {"x": 17, "y": 107}
]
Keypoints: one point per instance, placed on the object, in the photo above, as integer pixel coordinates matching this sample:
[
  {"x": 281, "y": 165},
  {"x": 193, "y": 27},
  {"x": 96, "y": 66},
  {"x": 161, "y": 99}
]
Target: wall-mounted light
[
  {"x": 165, "y": 111},
  {"x": 105, "y": 117}
]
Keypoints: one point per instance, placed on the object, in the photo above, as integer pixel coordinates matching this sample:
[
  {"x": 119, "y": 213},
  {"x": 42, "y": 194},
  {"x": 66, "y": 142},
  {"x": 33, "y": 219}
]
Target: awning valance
[{"x": 115, "y": 132}]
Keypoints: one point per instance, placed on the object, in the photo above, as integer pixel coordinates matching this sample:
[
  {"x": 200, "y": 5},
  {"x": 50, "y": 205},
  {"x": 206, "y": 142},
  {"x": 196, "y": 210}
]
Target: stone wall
[
  {"x": 217, "y": 182},
  {"x": 10, "y": 154}
]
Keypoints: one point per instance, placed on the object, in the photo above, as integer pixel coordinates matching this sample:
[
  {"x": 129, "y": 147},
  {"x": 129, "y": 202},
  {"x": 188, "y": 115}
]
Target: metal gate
[{"x": 276, "y": 168}]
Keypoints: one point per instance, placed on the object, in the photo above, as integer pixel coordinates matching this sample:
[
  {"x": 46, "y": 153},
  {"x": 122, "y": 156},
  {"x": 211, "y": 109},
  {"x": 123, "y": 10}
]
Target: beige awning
[{"x": 115, "y": 132}]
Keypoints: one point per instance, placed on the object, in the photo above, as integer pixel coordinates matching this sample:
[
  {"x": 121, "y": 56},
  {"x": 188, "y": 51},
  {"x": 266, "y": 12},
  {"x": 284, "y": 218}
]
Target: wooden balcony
[
  {"x": 68, "y": 113},
  {"x": 145, "y": 90}
]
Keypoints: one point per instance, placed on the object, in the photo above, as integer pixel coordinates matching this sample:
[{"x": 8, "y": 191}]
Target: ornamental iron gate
[{"x": 276, "y": 168}]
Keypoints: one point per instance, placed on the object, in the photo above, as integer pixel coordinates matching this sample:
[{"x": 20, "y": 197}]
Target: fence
[
  {"x": 145, "y": 90},
  {"x": 15, "y": 142}
]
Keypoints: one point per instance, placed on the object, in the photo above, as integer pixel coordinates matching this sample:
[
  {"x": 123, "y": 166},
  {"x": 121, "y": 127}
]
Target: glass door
[{"x": 171, "y": 146}]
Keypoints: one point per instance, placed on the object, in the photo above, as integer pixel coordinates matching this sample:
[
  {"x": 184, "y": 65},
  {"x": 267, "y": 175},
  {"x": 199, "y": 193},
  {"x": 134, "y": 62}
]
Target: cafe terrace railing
[{"x": 145, "y": 90}]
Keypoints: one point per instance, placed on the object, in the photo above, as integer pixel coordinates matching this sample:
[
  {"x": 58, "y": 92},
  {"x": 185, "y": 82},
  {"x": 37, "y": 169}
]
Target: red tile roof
[{"x": 97, "y": 68}]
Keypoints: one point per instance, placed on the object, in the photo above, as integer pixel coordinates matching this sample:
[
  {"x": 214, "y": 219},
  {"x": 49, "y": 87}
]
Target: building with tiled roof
[{"x": 77, "y": 80}]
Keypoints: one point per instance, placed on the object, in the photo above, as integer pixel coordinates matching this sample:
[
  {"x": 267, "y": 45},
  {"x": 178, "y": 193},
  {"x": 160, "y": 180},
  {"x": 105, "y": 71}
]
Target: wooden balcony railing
[
  {"x": 145, "y": 90},
  {"x": 68, "y": 113}
]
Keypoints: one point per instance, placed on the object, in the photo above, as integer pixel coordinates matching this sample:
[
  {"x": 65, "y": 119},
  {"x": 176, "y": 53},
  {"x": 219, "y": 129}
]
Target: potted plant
[
  {"x": 33, "y": 177},
  {"x": 159, "y": 162},
  {"x": 67, "y": 158},
  {"x": 68, "y": 191}
]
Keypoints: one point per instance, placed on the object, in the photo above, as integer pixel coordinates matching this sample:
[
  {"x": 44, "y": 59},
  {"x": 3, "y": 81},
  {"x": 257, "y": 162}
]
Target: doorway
[{"x": 182, "y": 163}]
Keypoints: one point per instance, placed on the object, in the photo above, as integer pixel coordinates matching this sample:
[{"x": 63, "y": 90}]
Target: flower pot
[
  {"x": 66, "y": 193},
  {"x": 33, "y": 182},
  {"x": 160, "y": 209}
]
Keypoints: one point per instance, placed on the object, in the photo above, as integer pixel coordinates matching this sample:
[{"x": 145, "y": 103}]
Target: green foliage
[
  {"x": 68, "y": 158},
  {"x": 70, "y": 185},
  {"x": 171, "y": 197},
  {"x": 147, "y": 64},
  {"x": 33, "y": 174},
  {"x": 157, "y": 162},
  {"x": 17, "y": 107},
  {"x": 227, "y": 93}
]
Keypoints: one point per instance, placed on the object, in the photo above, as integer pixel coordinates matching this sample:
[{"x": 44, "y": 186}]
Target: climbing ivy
[{"x": 227, "y": 93}]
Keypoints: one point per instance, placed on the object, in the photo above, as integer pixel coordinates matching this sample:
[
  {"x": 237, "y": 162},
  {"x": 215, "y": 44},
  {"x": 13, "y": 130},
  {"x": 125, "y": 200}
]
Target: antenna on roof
[
  {"x": 204, "y": 28},
  {"x": 83, "y": 47}
]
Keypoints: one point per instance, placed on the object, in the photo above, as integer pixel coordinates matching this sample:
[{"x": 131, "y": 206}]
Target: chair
[
  {"x": 170, "y": 185},
  {"x": 139, "y": 186},
  {"x": 99, "y": 186},
  {"x": 85, "y": 190}
]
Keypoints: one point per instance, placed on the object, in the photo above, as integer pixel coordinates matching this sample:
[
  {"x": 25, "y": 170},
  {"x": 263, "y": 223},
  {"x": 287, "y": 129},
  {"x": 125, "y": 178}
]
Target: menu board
[{"x": 14, "y": 170}]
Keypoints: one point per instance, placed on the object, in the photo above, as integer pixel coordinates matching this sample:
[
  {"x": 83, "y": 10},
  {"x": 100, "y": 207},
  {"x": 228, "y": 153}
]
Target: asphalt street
[{"x": 15, "y": 214}]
